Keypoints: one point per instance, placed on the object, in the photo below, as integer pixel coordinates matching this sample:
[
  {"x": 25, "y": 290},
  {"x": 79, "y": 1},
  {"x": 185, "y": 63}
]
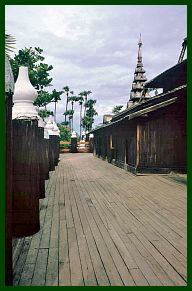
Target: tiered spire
[{"x": 137, "y": 92}]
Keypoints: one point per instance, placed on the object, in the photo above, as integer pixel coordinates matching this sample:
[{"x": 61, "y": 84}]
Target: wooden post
[
  {"x": 9, "y": 89},
  {"x": 25, "y": 178},
  {"x": 42, "y": 160},
  {"x": 8, "y": 218}
]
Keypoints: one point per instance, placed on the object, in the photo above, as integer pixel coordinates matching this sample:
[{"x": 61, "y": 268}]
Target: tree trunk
[
  {"x": 85, "y": 107},
  {"x": 80, "y": 118},
  {"x": 66, "y": 108},
  {"x": 55, "y": 111},
  {"x": 72, "y": 117}
]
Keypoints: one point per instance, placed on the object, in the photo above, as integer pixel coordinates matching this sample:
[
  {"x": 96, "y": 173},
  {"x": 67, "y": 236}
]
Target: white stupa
[{"x": 24, "y": 96}]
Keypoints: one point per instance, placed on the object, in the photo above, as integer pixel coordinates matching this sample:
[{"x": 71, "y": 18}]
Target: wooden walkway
[{"x": 103, "y": 226}]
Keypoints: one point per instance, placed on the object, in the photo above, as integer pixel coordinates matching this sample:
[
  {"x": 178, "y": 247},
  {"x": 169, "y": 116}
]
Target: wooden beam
[{"x": 152, "y": 108}]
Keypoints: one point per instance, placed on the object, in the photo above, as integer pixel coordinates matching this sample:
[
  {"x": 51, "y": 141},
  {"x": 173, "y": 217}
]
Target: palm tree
[
  {"x": 85, "y": 93},
  {"x": 72, "y": 99},
  {"x": 90, "y": 113},
  {"x": 70, "y": 114},
  {"x": 81, "y": 99},
  {"x": 9, "y": 41},
  {"x": 66, "y": 90},
  {"x": 55, "y": 97}
]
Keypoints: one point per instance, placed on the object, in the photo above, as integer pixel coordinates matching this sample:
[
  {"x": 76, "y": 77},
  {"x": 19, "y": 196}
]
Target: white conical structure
[
  {"x": 49, "y": 126},
  {"x": 74, "y": 135},
  {"x": 24, "y": 96},
  {"x": 56, "y": 128},
  {"x": 41, "y": 122},
  {"x": 83, "y": 135},
  {"x": 91, "y": 135},
  {"x": 46, "y": 133}
]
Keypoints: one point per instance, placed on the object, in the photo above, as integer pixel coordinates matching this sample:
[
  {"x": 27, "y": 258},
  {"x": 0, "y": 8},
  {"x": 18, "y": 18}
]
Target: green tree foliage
[
  {"x": 45, "y": 113},
  {"x": 88, "y": 119},
  {"x": 38, "y": 74},
  {"x": 85, "y": 94},
  {"x": 65, "y": 134},
  {"x": 117, "y": 109},
  {"x": 38, "y": 71},
  {"x": 55, "y": 97},
  {"x": 43, "y": 99},
  {"x": 68, "y": 112}
]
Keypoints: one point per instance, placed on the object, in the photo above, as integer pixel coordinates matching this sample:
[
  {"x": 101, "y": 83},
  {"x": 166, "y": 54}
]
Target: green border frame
[{"x": 2, "y": 114}]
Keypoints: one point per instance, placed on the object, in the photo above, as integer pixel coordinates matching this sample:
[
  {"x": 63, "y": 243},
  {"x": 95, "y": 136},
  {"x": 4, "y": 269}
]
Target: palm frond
[{"x": 9, "y": 42}]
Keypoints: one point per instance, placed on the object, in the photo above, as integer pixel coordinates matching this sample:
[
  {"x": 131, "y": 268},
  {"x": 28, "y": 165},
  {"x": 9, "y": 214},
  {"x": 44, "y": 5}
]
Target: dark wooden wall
[
  {"x": 163, "y": 139},
  {"x": 154, "y": 143}
]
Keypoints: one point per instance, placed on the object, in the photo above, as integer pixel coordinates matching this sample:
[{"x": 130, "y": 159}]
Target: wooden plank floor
[{"x": 103, "y": 226}]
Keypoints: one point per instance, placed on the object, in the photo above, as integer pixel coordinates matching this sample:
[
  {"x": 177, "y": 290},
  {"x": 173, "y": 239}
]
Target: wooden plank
[
  {"x": 18, "y": 245},
  {"x": 40, "y": 268},
  {"x": 52, "y": 268},
  {"x": 118, "y": 260},
  {"x": 27, "y": 274},
  {"x": 74, "y": 260},
  {"x": 110, "y": 267},
  {"x": 99, "y": 268},
  {"x": 139, "y": 259},
  {"x": 21, "y": 261},
  {"x": 103, "y": 226},
  {"x": 86, "y": 263},
  {"x": 64, "y": 270},
  {"x": 139, "y": 279}
]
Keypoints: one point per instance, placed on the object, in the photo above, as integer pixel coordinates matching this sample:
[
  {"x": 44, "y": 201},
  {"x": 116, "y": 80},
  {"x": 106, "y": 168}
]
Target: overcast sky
[{"x": 95, "y": 47}]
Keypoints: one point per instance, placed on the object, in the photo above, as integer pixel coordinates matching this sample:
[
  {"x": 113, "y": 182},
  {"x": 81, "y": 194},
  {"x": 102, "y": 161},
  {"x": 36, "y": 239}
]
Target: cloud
[{"x": 95, "y": 47}]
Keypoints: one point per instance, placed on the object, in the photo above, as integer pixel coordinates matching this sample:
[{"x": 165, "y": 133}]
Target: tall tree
[
  {"x": 81, "y": 99},
  {"x": 73, "y": 99},
  {"x": 70, "y": 114},
  {"x": 88, "y": 120},
  {"x": 38, "y": 71},
  {"x": 55, "y": 97},
  {"x": 65, "y": 133},
  {"x": 66, "y": 90},
  {"x": 85, "y": 94}
]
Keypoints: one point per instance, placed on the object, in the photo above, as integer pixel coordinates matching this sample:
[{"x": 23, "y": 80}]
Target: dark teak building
[{"x": 150, "y": 135}]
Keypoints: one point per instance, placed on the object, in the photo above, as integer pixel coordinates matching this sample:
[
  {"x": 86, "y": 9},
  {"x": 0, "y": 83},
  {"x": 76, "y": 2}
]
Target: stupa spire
[
  {"x": 138, "y": 92},
  {"x": 139, "y": 58}
]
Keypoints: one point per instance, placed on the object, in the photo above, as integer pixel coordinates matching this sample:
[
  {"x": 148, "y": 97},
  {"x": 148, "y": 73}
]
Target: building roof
[
  {"x": 150, "y": 105},
  {"x": 171, "y": 78}
]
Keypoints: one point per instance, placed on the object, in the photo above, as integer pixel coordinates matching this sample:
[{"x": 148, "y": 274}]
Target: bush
[{"x": 65, "y": 146}]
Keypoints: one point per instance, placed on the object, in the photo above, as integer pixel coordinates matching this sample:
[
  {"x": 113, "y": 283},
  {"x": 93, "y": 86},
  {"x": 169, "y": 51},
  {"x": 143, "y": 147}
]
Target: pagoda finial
[
  {"x": 138, "y": 92},
  {"x": 139, "y": 50},
  {"x": 140, "y": 41}
]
